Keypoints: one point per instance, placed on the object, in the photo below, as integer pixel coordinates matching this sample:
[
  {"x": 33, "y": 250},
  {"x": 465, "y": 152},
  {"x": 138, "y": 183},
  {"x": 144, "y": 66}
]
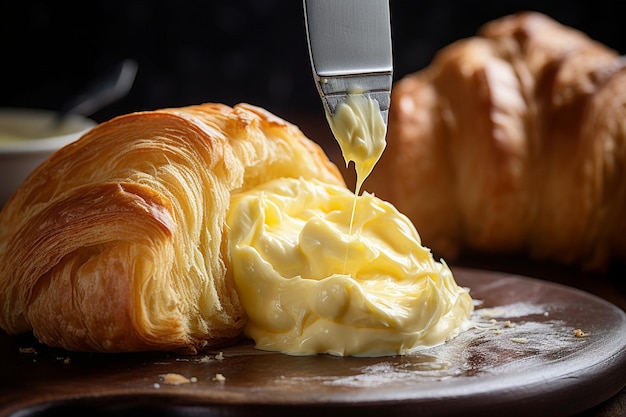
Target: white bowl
[{"x": 27, "y": 138}]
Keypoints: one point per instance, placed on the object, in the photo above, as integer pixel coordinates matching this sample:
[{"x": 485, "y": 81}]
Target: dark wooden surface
[{"x": 490, "y": 370}]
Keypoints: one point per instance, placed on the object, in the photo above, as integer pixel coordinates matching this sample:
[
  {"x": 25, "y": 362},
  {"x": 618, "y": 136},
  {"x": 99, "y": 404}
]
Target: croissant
[
  {"x": 116, "y": 242},
  {"x": 513, "y": 141}
]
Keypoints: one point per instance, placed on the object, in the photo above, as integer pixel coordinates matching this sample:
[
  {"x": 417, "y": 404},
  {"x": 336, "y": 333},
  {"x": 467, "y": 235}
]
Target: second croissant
[{"x": 513, "y": 141}]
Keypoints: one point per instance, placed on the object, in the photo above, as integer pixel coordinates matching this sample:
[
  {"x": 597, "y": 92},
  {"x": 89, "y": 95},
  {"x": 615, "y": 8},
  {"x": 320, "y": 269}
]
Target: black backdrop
[{"x": 192, "y": 51}]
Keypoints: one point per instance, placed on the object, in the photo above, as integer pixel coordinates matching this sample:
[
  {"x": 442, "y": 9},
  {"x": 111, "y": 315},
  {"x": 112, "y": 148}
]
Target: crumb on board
[
  {"x": 219, "y": 378},
  {"x": 207, "y": 358},
  {"x": 177, "y": 379},
  {"x": 519, "y": 340},
  {"x": 580, "y": 333},
  {"x": 495, "y": 326}
]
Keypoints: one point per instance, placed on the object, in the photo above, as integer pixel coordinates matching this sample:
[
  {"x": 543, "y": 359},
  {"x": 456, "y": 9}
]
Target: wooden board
[{"x": 521, "y": 359}]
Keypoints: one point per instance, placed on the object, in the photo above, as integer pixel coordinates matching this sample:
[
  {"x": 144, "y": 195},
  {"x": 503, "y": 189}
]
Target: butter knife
[{"x": 350, "y": 48}]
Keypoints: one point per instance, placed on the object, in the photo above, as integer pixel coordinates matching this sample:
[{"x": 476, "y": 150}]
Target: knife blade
[{"x": 350, "y": 49}]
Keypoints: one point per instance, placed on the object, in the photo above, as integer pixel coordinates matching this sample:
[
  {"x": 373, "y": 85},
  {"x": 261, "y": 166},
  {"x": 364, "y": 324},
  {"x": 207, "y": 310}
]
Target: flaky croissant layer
[
  {"x": 115, "y": 243},
  {"x": 513, "y": 141}
]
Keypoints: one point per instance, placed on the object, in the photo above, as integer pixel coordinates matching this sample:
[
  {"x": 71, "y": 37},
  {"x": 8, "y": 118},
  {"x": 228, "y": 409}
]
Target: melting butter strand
[
  {"x": 357, "y": 191},
  {"x": 345, "y": 259}
]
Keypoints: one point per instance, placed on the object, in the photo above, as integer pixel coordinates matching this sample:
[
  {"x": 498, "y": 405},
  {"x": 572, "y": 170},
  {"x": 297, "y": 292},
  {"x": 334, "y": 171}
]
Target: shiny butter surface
[{"x": 288, "y": 239}]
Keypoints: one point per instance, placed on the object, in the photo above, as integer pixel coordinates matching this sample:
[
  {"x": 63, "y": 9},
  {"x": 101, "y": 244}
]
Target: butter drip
[
  {"x": 287, "y": 239},
  {"x": 359, "y": 128}
]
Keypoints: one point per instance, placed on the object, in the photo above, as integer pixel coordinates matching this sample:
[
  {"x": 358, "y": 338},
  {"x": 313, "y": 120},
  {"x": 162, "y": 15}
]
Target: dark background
[{"x": 191, "y": 52}]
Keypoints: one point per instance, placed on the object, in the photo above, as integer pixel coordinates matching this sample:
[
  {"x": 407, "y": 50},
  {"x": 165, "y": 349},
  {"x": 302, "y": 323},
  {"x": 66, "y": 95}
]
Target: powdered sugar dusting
[{"x": 512, "y": 310}]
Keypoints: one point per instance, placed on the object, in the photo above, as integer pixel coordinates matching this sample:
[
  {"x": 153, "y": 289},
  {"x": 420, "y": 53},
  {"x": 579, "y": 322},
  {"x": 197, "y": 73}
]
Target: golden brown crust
[
  {"x": 513, "y": 141},
  {"x": 115, "y": 243}
]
